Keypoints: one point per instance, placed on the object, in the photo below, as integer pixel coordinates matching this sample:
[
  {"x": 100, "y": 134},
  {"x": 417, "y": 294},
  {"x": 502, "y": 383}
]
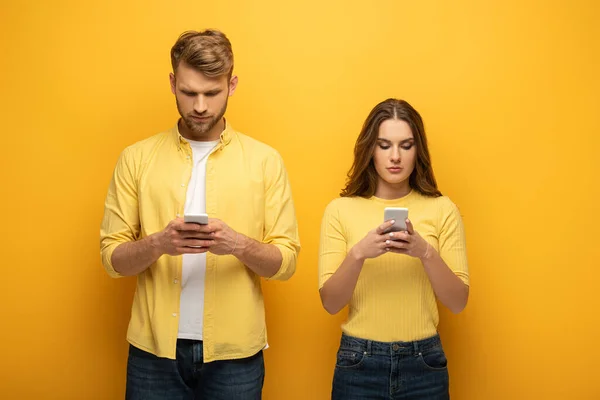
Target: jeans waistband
[{"x": 386, "y": 348}]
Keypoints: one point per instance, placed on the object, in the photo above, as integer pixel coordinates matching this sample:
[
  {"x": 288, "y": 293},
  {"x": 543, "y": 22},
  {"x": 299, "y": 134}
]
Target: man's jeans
[{"x": 189, "y": 378}]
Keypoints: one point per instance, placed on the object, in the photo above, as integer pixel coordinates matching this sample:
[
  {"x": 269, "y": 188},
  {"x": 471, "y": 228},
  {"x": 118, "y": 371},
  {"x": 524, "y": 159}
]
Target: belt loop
[
  {"x": 368, "y": 352},
  {"x": 416, "y": 347}
]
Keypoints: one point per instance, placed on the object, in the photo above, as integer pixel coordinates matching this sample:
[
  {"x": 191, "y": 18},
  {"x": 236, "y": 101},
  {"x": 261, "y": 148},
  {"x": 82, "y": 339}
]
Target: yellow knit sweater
[{"x": 393, "y": 299}]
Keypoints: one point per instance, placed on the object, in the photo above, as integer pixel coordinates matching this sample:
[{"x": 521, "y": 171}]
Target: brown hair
[
  {"x": 362, "y": 177},
  {"x": 208, "y": 52}
]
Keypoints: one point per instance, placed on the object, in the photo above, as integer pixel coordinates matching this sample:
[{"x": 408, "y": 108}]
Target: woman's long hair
[{"x": 362, "y": 177}]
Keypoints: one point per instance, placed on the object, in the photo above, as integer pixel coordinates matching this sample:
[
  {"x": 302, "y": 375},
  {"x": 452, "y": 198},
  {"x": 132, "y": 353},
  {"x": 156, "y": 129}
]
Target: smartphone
[
  {"x": 201, "y": 219},
  {"x": 399, "y": 215}
]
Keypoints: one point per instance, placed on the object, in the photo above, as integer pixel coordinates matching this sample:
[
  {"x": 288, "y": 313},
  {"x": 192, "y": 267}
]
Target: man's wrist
[
  {"x": 241, "y": 244},
  {"x": 156, "y": 244}
]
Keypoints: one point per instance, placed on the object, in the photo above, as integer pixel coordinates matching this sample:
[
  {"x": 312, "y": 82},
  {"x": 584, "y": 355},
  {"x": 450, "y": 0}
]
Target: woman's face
[{"x": 394, "y": 155}]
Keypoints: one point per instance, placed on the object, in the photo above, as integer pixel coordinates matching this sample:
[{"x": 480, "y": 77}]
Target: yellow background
[{"x": 509, "y": 93}]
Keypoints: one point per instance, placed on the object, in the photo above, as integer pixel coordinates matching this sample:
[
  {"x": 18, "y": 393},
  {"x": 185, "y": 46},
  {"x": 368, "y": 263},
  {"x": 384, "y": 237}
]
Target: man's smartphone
[
  {"x": 399, "y": 215},
  {"x": 201, "y": 219}
]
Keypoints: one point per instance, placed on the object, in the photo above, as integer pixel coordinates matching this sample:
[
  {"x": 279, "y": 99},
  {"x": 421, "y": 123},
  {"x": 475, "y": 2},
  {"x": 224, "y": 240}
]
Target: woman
[{"x": 390, "y": 347}]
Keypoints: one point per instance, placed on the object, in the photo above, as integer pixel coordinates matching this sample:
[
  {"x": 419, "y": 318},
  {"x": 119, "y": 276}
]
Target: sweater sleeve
[
  {"x": 333, "y": 244},
  {"x": 452, "y": 242}
]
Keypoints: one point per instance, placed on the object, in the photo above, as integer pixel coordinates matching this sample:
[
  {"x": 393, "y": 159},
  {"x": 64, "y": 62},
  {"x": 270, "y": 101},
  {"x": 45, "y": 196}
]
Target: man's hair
[{"x": 208, "y": 52}]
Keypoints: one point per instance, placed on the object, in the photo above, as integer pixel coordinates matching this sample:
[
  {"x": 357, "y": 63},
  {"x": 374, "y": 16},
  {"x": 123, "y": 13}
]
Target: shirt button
[
  {"x": 174, "y": 314},
  {"x": 188, "y": 157},
  {"x": 178, "y": 215},
  {"x": 175, "y": 281},
  {"x": 183, "y": 184}
]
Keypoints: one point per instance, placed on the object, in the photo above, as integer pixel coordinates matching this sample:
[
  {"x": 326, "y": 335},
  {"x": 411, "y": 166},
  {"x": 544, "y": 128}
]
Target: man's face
[{"x": 201, "y": 101}]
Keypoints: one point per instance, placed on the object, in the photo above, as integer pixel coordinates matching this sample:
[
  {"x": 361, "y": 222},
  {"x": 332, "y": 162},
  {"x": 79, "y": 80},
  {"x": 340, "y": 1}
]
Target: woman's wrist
[{"x": 427, "y": 253}]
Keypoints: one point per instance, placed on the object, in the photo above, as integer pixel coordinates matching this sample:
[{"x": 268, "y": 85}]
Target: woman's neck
[{"x": 392, "y": 191}]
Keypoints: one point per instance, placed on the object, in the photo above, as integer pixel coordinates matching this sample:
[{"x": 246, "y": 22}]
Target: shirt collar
[{"x": 225, "y": 137}]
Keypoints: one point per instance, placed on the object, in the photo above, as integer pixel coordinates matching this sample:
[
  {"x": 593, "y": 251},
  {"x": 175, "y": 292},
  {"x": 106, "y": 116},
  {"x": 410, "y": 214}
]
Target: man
[{"x": 197, "y": 327}]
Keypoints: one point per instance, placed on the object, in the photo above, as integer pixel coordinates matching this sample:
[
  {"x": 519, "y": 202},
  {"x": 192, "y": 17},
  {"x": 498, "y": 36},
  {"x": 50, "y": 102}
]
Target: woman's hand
[
  {"x": 408, "y": 242},
  {"x": 374, "y": 243}
]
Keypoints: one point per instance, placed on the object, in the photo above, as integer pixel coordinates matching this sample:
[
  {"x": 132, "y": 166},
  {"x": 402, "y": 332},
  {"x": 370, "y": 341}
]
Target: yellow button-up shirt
[{"x": 246, "y": 187}]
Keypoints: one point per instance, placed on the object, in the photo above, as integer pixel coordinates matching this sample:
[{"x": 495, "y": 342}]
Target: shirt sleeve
[
  {"x": 452, "y": 242},
  {"x": 281, "y": 228},
  {"x": 333, "y": 244},
  {"x": 121, "y": 221}
]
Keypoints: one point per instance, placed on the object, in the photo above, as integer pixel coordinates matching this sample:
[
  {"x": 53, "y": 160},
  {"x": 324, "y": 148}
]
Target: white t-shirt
[{"x": 191, "y": 309}]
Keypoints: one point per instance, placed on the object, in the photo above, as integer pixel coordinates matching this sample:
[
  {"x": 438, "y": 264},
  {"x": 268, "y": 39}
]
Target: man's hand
[
  {"x": 223, "y": 239},
  {"x": 183, "y": 238}
]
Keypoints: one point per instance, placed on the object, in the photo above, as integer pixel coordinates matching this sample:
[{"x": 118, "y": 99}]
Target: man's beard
[{"x": 201, "y": 128}]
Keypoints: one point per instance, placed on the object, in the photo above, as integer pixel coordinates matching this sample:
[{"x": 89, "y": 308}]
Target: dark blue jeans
[
  {"x": 189, "y": 378},
  {"x": 366, "y": 369}
]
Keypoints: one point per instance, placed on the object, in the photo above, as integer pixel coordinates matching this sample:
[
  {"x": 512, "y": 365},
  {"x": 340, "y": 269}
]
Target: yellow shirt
[
  {"x": 393, "y": 299},
  {"x": 247, "y": 187}
]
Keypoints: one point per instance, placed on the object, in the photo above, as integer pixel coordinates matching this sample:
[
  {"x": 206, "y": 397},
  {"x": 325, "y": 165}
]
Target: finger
[
  {"x": 176, "y": 224},
  {"x": 409, "y": 227},
  {"x": 187, "y": 226},
  {"x": 383, "y": 248},
  {"x": 383, "y": 227},
  {"x": 208, "y": 228},
  {"x": 395, "y": 244},
  {"x": 399, "y": 236},
  {"x": 197, "y": 243},
  {"x": 192, "y": 250},
  {"x": 214, "y": 225},
  {"x": 196, "y": 235},
  {"x": 380, "y": 248}
]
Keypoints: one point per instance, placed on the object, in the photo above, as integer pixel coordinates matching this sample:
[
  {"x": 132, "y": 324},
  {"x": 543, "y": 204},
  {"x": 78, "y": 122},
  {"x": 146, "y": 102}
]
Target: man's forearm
[
  {"x": 132, "y": 258},
  {"x": 264, "y": 259}
]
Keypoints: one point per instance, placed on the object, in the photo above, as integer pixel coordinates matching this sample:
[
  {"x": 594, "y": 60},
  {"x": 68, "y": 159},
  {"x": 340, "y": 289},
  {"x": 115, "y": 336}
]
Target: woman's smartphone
[
  {"x": 201, "y": 219},
  {"x": 399, "y": 215}
]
